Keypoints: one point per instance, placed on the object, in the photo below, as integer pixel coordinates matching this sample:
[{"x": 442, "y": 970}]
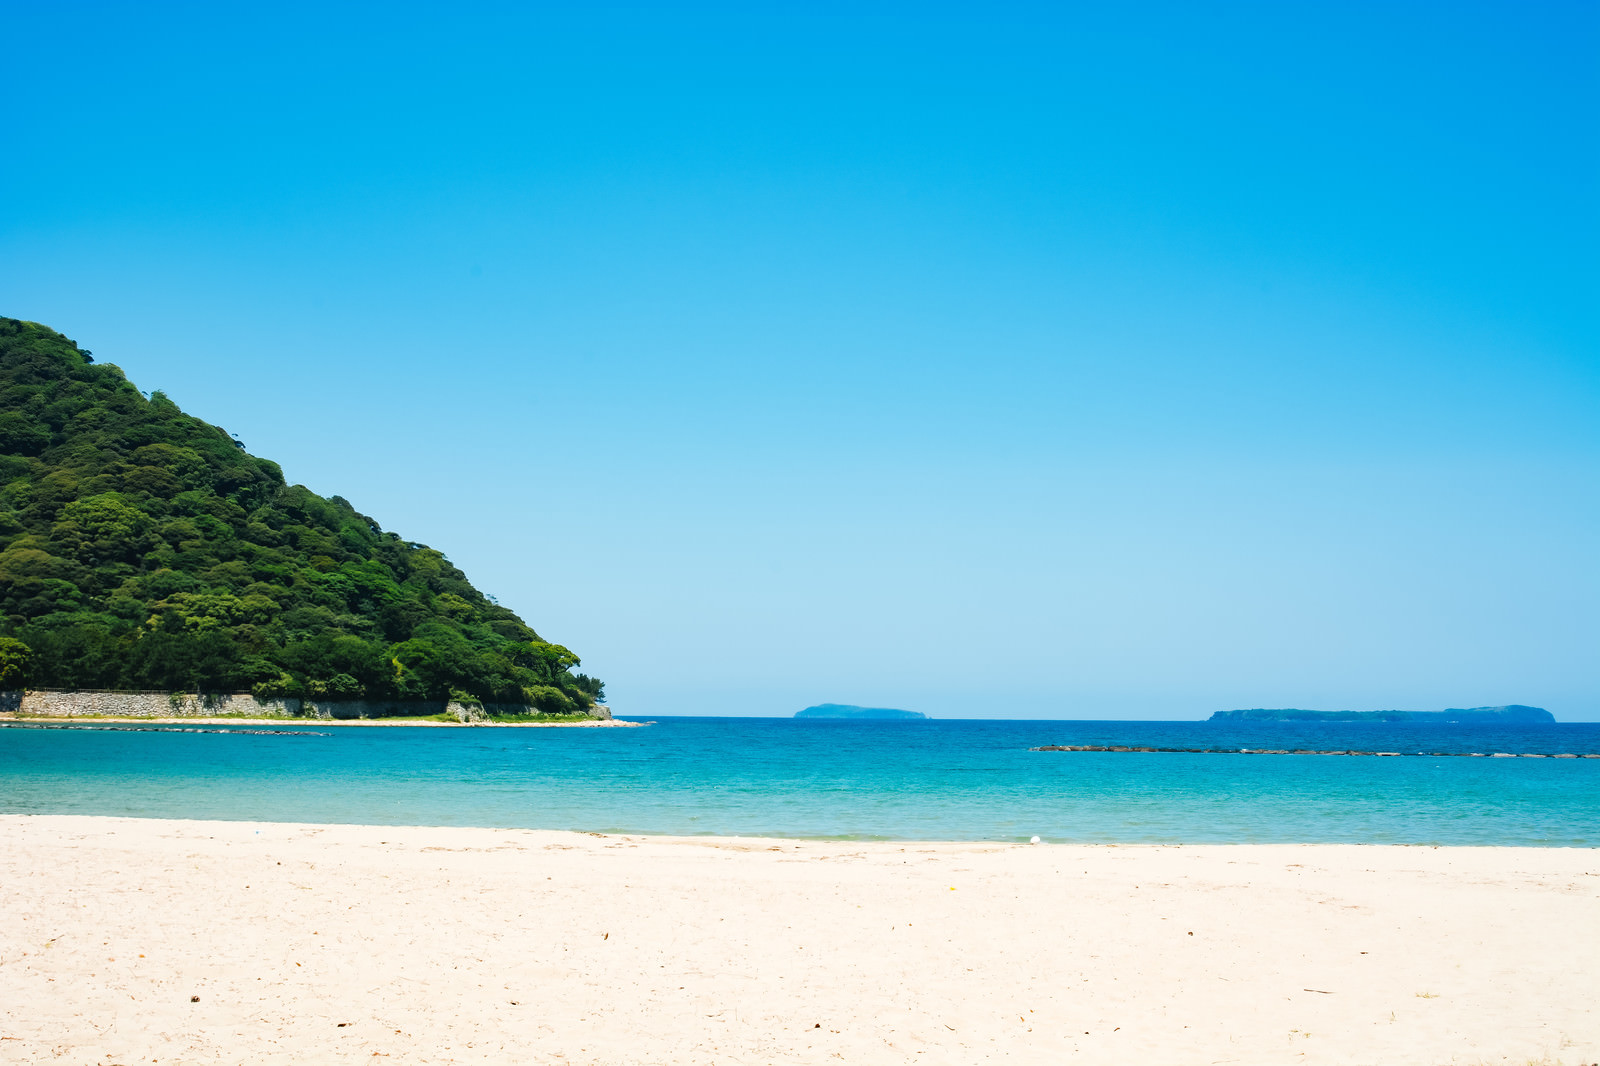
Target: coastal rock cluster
[{"x": 1310, "y": 751}]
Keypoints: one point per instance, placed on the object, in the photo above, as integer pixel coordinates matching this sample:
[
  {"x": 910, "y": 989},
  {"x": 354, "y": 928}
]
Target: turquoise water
[{"x": 937, "y": 780}]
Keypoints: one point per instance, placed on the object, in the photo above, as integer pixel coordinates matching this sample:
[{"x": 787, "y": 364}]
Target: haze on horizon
[{"x": 1046, "y": 362}]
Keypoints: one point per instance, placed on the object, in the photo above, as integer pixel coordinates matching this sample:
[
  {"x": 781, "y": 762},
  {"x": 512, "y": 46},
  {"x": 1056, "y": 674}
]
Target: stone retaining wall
[{"x": 185, "y": 705}]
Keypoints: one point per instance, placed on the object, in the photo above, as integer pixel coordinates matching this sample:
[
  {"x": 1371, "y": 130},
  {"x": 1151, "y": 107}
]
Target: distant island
[
  {"x": 845, "y": 710},
  {"x": 1512, "y": 714}
]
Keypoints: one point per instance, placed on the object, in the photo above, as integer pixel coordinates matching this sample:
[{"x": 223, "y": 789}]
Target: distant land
[
  {"x": 1512, "y": 714},
  {"x": 845, "y": 710}
]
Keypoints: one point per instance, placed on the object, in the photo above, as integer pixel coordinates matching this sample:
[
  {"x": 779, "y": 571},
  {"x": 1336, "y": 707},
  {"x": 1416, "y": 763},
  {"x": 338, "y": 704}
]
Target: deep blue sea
[{"x": 928, "y": 780}]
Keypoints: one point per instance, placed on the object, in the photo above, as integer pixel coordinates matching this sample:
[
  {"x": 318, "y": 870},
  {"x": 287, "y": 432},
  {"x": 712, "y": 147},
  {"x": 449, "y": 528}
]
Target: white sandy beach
[{"x": 308, "y": 943}]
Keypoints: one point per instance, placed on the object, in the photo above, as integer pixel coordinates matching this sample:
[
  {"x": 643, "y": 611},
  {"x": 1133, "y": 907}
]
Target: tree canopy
[{"x": 141, "y": 547}]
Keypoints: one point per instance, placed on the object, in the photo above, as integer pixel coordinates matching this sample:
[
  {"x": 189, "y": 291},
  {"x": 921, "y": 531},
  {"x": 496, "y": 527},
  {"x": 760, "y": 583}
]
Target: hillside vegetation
[{"x": 143, "y": 548}]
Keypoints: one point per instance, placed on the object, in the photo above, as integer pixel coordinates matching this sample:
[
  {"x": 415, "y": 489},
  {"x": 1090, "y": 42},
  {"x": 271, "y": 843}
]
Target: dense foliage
[{"x": 143, "y": 548}]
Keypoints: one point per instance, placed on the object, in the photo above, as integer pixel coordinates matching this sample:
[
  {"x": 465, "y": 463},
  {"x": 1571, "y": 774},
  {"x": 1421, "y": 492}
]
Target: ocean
[{"x": 918, "y": 780}]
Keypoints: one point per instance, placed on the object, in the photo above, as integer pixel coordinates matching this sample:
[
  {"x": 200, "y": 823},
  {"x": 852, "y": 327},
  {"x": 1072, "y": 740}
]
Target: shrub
[{"x": 16, "y": 664}]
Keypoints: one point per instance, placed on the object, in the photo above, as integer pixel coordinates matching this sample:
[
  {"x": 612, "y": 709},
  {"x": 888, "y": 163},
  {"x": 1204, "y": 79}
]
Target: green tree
[
  {"x": 21, "y": 435},
  {"x": 16, "y": 664}
]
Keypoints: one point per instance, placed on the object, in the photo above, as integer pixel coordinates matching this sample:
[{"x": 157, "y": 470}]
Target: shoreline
[
  {"x": 87, "y": 721},
  {"x": 339, "y": 943},
  {"x": 715, "y": 840},
  {"x": 718, "y": 839}
]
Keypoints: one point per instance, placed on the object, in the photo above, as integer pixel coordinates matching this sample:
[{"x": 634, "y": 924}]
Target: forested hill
[{"x": 143, "y": 548}]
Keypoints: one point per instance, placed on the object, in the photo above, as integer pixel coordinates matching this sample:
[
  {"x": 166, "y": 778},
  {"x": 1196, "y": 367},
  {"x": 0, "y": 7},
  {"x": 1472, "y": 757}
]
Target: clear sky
[{"x": 989, "y": 360}]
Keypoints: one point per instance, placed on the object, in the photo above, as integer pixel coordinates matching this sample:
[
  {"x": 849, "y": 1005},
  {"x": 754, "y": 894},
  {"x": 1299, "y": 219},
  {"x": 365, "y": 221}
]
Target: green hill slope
[{"x": 143, "y": 548}]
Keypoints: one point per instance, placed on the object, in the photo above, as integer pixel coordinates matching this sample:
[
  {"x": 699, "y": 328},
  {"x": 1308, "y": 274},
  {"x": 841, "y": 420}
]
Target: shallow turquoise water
[{"x": 950, "y": 780}]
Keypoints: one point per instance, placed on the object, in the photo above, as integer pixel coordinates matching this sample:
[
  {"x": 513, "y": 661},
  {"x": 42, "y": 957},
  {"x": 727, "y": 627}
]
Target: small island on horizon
[
  {"x": 845, "y": 710},
  {"x": 1511, "y": 714}
]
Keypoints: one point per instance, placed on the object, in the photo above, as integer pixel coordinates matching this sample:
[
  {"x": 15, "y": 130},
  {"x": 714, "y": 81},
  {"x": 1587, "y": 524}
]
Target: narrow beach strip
[
  {"x": 86, "y": 722},
  {"x": 119, "y": 727}
]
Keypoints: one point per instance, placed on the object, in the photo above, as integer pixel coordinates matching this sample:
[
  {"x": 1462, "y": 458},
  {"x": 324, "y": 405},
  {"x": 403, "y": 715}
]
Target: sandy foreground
[{"x": 308, "y": 944}]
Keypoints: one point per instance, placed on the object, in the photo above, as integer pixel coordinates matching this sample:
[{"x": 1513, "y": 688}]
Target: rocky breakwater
[{"x": 1311, "y": 751}]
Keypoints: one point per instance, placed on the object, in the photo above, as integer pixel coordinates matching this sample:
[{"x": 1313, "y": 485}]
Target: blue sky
[{"x": 989, "y": 360}]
